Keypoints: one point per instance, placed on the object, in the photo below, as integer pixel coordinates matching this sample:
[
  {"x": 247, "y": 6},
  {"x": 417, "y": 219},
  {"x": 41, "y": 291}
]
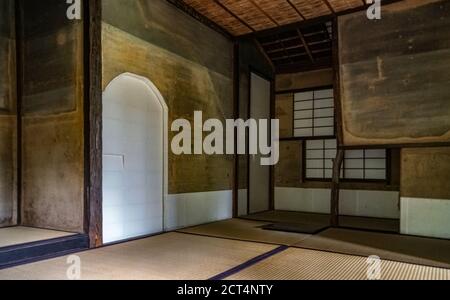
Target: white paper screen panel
[
  {"x": 314, "y": 113},
  {"x": 358, "y": 164}
]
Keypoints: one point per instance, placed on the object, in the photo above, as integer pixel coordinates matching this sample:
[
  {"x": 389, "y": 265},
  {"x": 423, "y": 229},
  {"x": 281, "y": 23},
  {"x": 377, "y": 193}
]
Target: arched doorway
[{"x": 135, "y": 128}]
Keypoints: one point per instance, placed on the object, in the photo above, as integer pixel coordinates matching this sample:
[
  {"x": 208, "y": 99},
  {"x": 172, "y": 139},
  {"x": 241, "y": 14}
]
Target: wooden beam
[
  {"x": 264, "y": 12},
  {"x": 263, "y": 52},
  {"x": 308, "y": 22},
  {"x": 337, "y": 84},
  {"x": 201, "y": 18},
  {"x": 330, "y": 7},
  {"x": 236, "y": 95},
  {"x": 296, "y": 9},
  {"x": 224, "y": 7},
  {"x": 93, "y": 122},
  {"x": 18, "y": 19},
  {"x": 337, "y": 165},
  {"x": 305, "y": 44},
  {"x": 323, "y": 63}
]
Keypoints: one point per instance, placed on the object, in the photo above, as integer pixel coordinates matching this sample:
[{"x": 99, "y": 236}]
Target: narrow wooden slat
[
  {"x": 264, "y": 53},
  {"x": 312, "y": 8},
  {"x": 305, "y": 44},
  {"x": 248, "y": 14},
  {"x": 264, "y": 12},
  {"x": 218, "y": 15},
  {"x": 230, "y": 11},
  {"x": 342, "y": 5},
  {"x": 280, "y": 11}
]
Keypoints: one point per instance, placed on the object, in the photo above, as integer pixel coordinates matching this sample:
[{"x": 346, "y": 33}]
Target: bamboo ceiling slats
[
  {"x": 240, "y": 17},
  {"x": 312, "y": 8},
  {"x": 218, "y": 15},
  {"x": 341, "y": 5}
]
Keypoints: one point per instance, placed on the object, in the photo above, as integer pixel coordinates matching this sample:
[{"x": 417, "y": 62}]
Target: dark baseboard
[{"x": 31, "y": 252}]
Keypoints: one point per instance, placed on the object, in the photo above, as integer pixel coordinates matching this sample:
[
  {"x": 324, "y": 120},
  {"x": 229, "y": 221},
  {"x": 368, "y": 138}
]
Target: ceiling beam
[
  {"x": 264, "y": 12},
  {"x": 264, "y": 53},
  {"x": 199, "y": 17},
  {"x": 330, "y": 7},
  {"x": 308, "y": 22},
  {"x": 305, "y": 44},
  {"x": 296, "y": 9},
  {"x": 224, "y": 7},
  {"x": 302, "y": 67}
]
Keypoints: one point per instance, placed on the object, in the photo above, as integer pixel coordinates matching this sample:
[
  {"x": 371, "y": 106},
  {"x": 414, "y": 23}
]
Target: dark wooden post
[
  {"x": 337, "y": 164},
  {"x": 93, "y": 121}
]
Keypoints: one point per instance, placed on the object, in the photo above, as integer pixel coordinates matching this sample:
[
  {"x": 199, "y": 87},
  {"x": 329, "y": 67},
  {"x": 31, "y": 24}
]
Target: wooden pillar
[
  {"x": 236, "y": 85},
  {"x": 93, "y": 122},
  {"x": 337, "y": 164}
]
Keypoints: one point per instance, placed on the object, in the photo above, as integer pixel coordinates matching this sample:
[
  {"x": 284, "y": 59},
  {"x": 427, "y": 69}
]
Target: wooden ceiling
[
  {"x": 240, "y": 17},
  {"x": 299, "y": 49}
]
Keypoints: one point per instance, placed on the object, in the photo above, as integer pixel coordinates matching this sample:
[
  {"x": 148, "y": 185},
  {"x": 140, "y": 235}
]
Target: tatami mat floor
[
  {"x": 279, "y": 216},
  {"x": 169, "y": 256},
  {"x": 402, "y": 248},
  {"x": 22, "y": 235},
  {"x": 303, "y": 264},
  {"x": 248, "y": 231},
  {"x": 196, "y": 254}
]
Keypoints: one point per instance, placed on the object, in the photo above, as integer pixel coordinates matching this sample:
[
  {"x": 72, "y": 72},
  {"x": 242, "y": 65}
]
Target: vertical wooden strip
[
  {"x": 337, "y": 165},
  {"x": 93, "y": 122},
  {"x": 272, "y": 168},
  {"x": 236, "y": 84},
  {"x": 19, "y": 85}
]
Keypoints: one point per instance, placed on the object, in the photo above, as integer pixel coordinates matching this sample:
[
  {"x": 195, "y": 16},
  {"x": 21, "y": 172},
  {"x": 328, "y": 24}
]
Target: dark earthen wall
[
  {"x": 395, "y": 74},
  {"x": 189, "y": 63},
  {"x": 8, "y": 132},
  {"x": 52, "y": 124},
  {"x": 425, "y": 173}
]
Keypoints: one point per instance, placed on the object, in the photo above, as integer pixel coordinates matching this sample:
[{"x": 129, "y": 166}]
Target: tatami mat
[
  {"x": 169, "y": 256},
  {"x": 409, "y": 249},
  {"x": 247, "y": 231},
  {"x": 388, "y": 225},
  {"x": 22, "y": 235},
  {"x": 303, "y": 264}
]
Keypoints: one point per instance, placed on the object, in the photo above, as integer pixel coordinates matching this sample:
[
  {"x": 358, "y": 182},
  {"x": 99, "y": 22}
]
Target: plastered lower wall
[{"x": 425, "y": 192}]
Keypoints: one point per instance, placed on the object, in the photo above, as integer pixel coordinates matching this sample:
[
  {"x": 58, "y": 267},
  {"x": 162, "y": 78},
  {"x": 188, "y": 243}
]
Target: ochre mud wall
[
  {"x": 190, "y": 64},
  {"x": 395, "y": 74},
  {"x": 8, "y": 132},
  {"x": 426, "y": 173},
  {"x": 52, "y": 124}
]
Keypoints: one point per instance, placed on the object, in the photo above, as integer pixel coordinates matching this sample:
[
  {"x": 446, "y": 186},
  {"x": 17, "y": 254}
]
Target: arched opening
[{"x": 135, "y": 143}]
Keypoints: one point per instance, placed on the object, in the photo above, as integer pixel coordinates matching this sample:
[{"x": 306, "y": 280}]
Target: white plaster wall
[
  {"x": 425, "y": 217},
  {"x": 184, "y": 210},
  {"x": 377, "y": 204}
]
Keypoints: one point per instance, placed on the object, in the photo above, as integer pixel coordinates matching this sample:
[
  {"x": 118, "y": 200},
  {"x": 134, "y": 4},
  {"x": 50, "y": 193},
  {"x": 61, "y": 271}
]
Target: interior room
[{"x": 107, "y": 108}]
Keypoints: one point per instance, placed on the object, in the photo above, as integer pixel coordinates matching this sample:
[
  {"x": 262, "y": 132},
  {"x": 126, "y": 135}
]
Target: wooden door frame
[{"x": 93, "y": 109}]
